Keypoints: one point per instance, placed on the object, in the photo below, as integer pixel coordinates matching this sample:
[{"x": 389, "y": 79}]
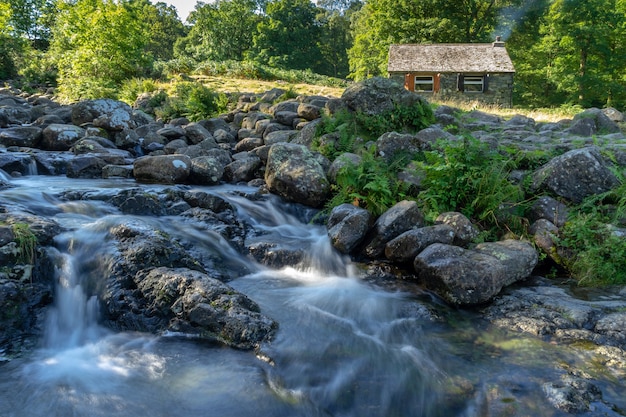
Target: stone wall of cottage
[{"x": 499, "y": 91}]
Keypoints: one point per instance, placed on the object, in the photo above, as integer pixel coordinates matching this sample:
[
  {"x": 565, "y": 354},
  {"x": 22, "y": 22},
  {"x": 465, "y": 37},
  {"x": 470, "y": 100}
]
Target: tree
[
  {"x": 96, "y": 45},
  {"x": 288, "y": 37},
  {"x": 163, "y": 26},
  {"x": 221, "y": 31},
  {"x": 335, "y": 40},
  {"x": 32, "y": 19},
  {"x": 583, "y": 46}
]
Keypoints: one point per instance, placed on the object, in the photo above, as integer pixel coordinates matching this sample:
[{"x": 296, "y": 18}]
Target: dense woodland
[{"x": 566, "y": 52}]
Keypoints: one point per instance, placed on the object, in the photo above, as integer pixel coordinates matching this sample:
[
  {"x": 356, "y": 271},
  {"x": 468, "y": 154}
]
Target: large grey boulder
[
  {"x": 347, "y": 227},
  {"x": 593, "y": 121},
  {"x": 518, "y": 257},
  {"x": 162, "y": 169},
  {"x": 295, "y": 173},
  {"x": 460, "y": 276},
  {"x": 391, "y": 144},
  {"x": 243, "y": 169},
  {"x": 576, "y": 175},
  {"x": 403, "y": 216},
  {"x": 378, "y": 95},
  {"x": 108, "y": 114},
  {"x": 22, "y": 136},
  {"x": 61, "y": 137},
  {"x": 469, "y": 277},
  {"x": 409, "y": 244},
  {"x": 464, "y": 230},
  {"x": 550, "y": 209},
  {"x": 206, "y": 170},
  {"x": 16, "y": 162}
]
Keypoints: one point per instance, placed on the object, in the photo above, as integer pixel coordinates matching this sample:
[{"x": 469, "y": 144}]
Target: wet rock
[
  {"x": 572, "y": 394},
  {"x": 403, "y": 216},
  {"x": 16, "y": 163},
  {"x": 464, "y": 230},
  {"x": 86, "y": 166},
  {"x": 409, "y": 244},
  {"x": 348, "y": 226},
  {"x": 460, "y": 276},
  {"x": 162, "y": 169},
  {"x": 576, "y": 175},
  {"x": 194, "y": 303},
  {"x": 294, "y": 173}
]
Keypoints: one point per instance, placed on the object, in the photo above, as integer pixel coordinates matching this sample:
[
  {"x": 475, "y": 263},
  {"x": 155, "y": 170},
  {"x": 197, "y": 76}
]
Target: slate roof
[{"x": 450, "y": 57}]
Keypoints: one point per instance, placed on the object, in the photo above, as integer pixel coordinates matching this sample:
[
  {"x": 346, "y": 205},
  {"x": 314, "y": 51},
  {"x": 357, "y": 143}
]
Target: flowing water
[{"x": 344, "y": 347}]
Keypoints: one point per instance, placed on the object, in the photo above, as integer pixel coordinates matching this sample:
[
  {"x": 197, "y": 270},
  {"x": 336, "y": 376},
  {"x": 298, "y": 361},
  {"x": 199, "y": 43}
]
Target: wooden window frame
[{"x": 424, "y": 81}]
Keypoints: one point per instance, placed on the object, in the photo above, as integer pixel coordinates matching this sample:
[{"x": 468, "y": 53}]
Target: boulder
[
  {"x": 309, "y": 111},
  {"x": 22, "y": 136},
  {"x": 206, "y": 170},
  {"x": 242, "y": 170},
  {"x": 409, "y": 244},
  {"x": 162, "y": 169},
  {"x": 108, "y": 114},
  {"x": 347, "y": 227},
  {"x": 460, "y": 276},
  {"x": 17, "y": 162},
  {"x": 57, "y": 137},
  {"x": 391, "y": 144},
  {"x": 343, "y": 160},
  {"x": 600, "y": 123},
  {"x": 197, "y": 133},
  {"x": 464, "y": 230},
  {"x": 403, "y": 216},
  {"x": 548, "y": 208},
  {"x": 518, "y": 257},
  {"x": 295, "y": 173},
  {"x": 191, "y": 302},
  {"x": 378, "y": 95},
  {"x": 576, "y": 175}
]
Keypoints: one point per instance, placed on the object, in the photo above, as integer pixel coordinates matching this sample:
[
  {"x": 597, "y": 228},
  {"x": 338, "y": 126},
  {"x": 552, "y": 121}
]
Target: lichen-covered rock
[
  {"x": 403, "y": 216},
  {"x": 518, "y": 257},
  {"x": 295, "y": 173},
  {"x": 378, "y": 95},
  {"x": 576, "y": 175},
  {"x": 348, "y": 226},
  {"x": 206, "y": 170},
  {"x": 60, "y": 137},
  {"x": 548, "y": 208},
  {"x": 162, "y": 169},
  {"x": 243, "y": 170},
  {"x": 108, "y": 114},
  {"x": 464, "y": 230},
  {"x": 460, "y": 276}
]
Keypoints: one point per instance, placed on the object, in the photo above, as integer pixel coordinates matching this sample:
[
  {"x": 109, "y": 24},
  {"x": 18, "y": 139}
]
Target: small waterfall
[{"x": 73, "y": 321}]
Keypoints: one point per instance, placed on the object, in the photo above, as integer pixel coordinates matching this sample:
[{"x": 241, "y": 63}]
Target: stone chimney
[{"x": 499, "y": 42}]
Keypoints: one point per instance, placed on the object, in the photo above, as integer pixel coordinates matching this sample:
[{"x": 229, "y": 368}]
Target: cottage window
[
  {"x": 424, "y": 84},
  {"x": 473, "y": 83}
]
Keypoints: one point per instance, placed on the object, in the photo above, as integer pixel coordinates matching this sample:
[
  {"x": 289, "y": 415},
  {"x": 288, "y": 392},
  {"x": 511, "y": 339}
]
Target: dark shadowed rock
[
  {"x": 243, "y": 170},
  {"x": 550, "y": 209},
  {"x": 348, "y": 226},
  {"x": 162, "y": 169},
  {"x": 294, "y": 173},
  {"x": 409, "y": 244},
  {"x": 22, "y": 136},
  {"x": 576, "y": 175},
  {"x": 403, "y": 216}
]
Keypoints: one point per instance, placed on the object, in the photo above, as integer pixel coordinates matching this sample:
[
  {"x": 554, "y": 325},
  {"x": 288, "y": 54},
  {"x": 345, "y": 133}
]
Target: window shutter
[
  {"x": 485, "y": 83},
  {"x": 409, "y": 82},
  {"x": 459, "y": 83},
  {"x": 436, "y": 82}
]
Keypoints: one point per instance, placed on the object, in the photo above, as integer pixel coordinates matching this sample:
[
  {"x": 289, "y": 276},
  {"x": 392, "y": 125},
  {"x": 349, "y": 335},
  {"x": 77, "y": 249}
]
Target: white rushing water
[{"x": 343, "y": 348}]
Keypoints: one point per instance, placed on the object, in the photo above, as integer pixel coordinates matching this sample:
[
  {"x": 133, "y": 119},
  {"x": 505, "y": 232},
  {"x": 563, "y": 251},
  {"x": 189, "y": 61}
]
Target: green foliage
[
  {"x": 470, "y": 178},
  {"x": 26, "y": 242},
  {"x": 134, "y": 87},
  {"x": 194, "y": 101},
  {"x": 595, "y": 250},
  {"x": 400, "y": 119},
  {"x": 342, "y": 131},
  {"x": 372, "y": 184}
]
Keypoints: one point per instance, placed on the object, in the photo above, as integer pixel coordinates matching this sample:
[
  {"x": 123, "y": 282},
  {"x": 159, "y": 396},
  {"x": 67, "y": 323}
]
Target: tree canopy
[{"x": 564, "y": 51}]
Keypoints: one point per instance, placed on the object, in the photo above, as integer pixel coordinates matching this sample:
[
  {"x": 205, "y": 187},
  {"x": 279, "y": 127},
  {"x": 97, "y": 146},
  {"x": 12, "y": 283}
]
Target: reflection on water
[{"x": 344, "y": 348}]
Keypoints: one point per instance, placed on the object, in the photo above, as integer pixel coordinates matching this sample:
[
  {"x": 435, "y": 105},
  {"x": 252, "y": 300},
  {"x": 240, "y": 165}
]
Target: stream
[{"x": 345, "y": 346}]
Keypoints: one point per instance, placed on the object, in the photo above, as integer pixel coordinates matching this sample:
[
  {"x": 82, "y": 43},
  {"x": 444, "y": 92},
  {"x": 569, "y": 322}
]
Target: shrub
[
  {"x": 470, "y": 178},
  {"x": 26, "y": 242},
  {"x": 134, "y": 87},
  {"x": 194, "y": 101}
]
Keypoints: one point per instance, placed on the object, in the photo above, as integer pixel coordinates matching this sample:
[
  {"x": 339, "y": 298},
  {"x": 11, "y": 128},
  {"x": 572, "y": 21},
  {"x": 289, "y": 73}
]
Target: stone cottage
[{"x": 470, "y": 72}]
